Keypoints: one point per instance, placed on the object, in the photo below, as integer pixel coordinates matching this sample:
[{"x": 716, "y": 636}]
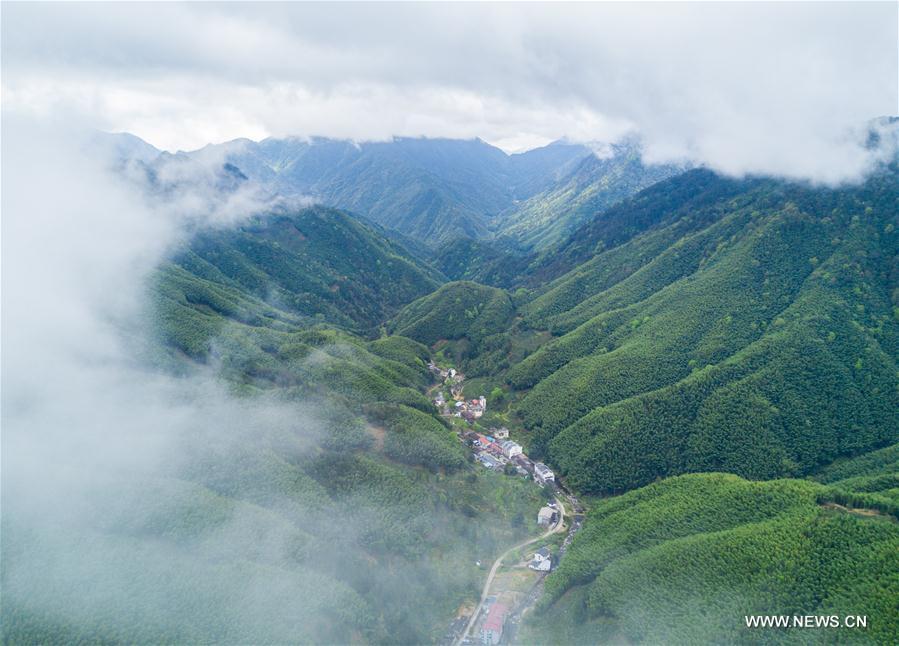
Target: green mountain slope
[
  {"x": 332, "y": 506},
  {"x": 870, "y": 473},
  {"x": 756, "y": 335},
  {"x": 594, "y": 185},
  {"x": 456, "y": 310},
  {"x": 317, "y": 263},
  {"x": 481, "y": 262},
  {"x": 433, "y": 190},
  {"x": 686, "y": 559}
]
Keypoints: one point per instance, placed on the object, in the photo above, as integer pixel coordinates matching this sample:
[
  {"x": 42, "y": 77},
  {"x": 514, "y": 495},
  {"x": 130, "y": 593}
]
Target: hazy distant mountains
[
  {"x": 436, "y": 190},
  {"x": 431, "y": 189}
]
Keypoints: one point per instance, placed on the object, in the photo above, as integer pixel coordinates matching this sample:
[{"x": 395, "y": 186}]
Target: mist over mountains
[
  {"x": 449, "y": 323},
  {"x": 436, "y": 190},
  {"x": 242, "y": 422}
]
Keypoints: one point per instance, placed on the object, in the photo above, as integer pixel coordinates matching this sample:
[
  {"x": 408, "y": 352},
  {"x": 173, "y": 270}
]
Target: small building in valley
[
  {"x": 542, "y": 561},
  {"x": 542, "y": 473},
  {"x": 492, "y": 630},
  {"x": 489, "y": 461},
  {"x": 510, "y": 448},
  {"x": 546, "y": 516},
  {"x": 524, "y": 462}
]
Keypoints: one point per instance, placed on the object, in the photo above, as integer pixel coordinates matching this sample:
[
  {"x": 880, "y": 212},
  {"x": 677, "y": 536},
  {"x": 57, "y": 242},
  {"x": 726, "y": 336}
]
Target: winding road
[{"x": 559, "y": 526}]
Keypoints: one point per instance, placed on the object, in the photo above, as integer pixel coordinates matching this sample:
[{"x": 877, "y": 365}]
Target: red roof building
[{"x": 492, "y": 630}]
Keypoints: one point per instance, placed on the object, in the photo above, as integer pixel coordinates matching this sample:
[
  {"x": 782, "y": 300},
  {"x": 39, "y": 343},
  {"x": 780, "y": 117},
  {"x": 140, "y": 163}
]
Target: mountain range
[
  {"x": 437, "y": 190},
  {"x": 712, "y": 363}
]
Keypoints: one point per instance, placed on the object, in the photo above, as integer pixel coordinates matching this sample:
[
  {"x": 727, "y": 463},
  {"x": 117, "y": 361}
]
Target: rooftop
[{"x": 495, "y": 617}]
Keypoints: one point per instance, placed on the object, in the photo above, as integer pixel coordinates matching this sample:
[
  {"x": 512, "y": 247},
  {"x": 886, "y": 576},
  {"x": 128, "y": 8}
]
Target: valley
[
  {"x": 502, "y": 605},
  {"x": 709, "y": 364},
  {"x": 688, "y": 361},
  {"x": 449, "y": 323}
]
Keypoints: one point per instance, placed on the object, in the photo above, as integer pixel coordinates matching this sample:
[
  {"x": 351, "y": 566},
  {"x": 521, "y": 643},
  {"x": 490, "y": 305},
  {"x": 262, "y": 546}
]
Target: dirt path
[
  {"x": 558, "y": 527},
  {"x": 858, "y": 511}
]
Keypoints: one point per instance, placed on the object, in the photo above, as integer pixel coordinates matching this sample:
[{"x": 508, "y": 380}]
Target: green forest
[
  {"x": 685, "y": 559},
  {"x": 713, "y": 363}
]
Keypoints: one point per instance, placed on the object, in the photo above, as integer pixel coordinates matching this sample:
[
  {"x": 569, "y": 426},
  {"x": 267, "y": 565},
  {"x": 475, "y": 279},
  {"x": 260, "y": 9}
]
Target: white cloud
[{"x": 744, "y": 87}]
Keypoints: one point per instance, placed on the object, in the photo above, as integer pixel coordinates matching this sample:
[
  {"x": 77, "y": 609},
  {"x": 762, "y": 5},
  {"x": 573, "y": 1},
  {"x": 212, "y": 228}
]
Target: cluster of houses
[
  {"x": 449, "y": 376},
  {"x": 496, "y": 451},
  {"x": 493, "y": 452},
  {"x": 470, "y": 410}
]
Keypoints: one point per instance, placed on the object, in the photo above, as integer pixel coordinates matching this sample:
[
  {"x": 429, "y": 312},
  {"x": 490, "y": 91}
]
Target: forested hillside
[
  {"x": 598, "y": 182},
  {"x": 456, "y": 310},
  {"x": 318, "y": 264},
  {"x": 707, "y": 325},
  {"x": 686, "y": 559},
  {"x": 749, "y": 327},
  {"x": 434, "y": 190},
  {"x": 327, "y": 504},
  {"x": 742, "y": 332}
]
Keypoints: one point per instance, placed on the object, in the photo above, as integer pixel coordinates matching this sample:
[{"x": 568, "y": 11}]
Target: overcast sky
[{"x": 756, "y": 87}]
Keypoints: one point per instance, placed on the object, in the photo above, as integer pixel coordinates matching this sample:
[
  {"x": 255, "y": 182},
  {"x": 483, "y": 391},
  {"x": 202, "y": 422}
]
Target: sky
[{"x": 742, "y": 87}]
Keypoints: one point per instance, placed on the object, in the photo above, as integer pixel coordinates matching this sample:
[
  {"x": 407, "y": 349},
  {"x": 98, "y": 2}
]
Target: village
[
  {"x": 493, "y": 449},
  {"x": 511, "y": 590}
]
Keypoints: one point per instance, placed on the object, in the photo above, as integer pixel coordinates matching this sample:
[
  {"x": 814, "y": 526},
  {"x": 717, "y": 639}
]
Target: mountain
[
  {"x": 456, "y": 310},
  {"x": 593, "y": 185},
  {"x": 431, "y": 189},
  {"x": 120, "y": 146},
  {"x": 710, "y": 362},
  {"x": 749, "y": 326},
  {"x": 705, "y": 325},
  {"x": 538, "y": 169},
  {"x": 686, "y": 559},
  {"x": 322, "y": 502},
  {"x": 481, "y": 261},
  {"x": 318, "y": 264}
]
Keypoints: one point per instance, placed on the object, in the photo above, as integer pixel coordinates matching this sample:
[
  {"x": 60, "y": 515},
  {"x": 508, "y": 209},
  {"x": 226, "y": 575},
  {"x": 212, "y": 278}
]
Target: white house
[
  {"x": 542, "y": 561},
  {"x": 545, "y": 516},
  {"x": 542, "y": 473},
  {"x": 500, "y": 433},
  {"x": 510, "y": 448}
]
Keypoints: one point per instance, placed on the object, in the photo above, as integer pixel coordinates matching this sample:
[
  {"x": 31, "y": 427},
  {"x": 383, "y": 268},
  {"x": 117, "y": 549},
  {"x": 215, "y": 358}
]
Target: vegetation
[
  {"x": 598, "y": 182},
  {"x": 348, "y": 513},
  {"x": 308, "y": 263},
  {"x": 432, "y": 190},
  {"x": 764, "y": 344},
  {"x": 722, "y": 355},
  {"x": 455, "y": 311},
  {"x": 684, "y": 560}
]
